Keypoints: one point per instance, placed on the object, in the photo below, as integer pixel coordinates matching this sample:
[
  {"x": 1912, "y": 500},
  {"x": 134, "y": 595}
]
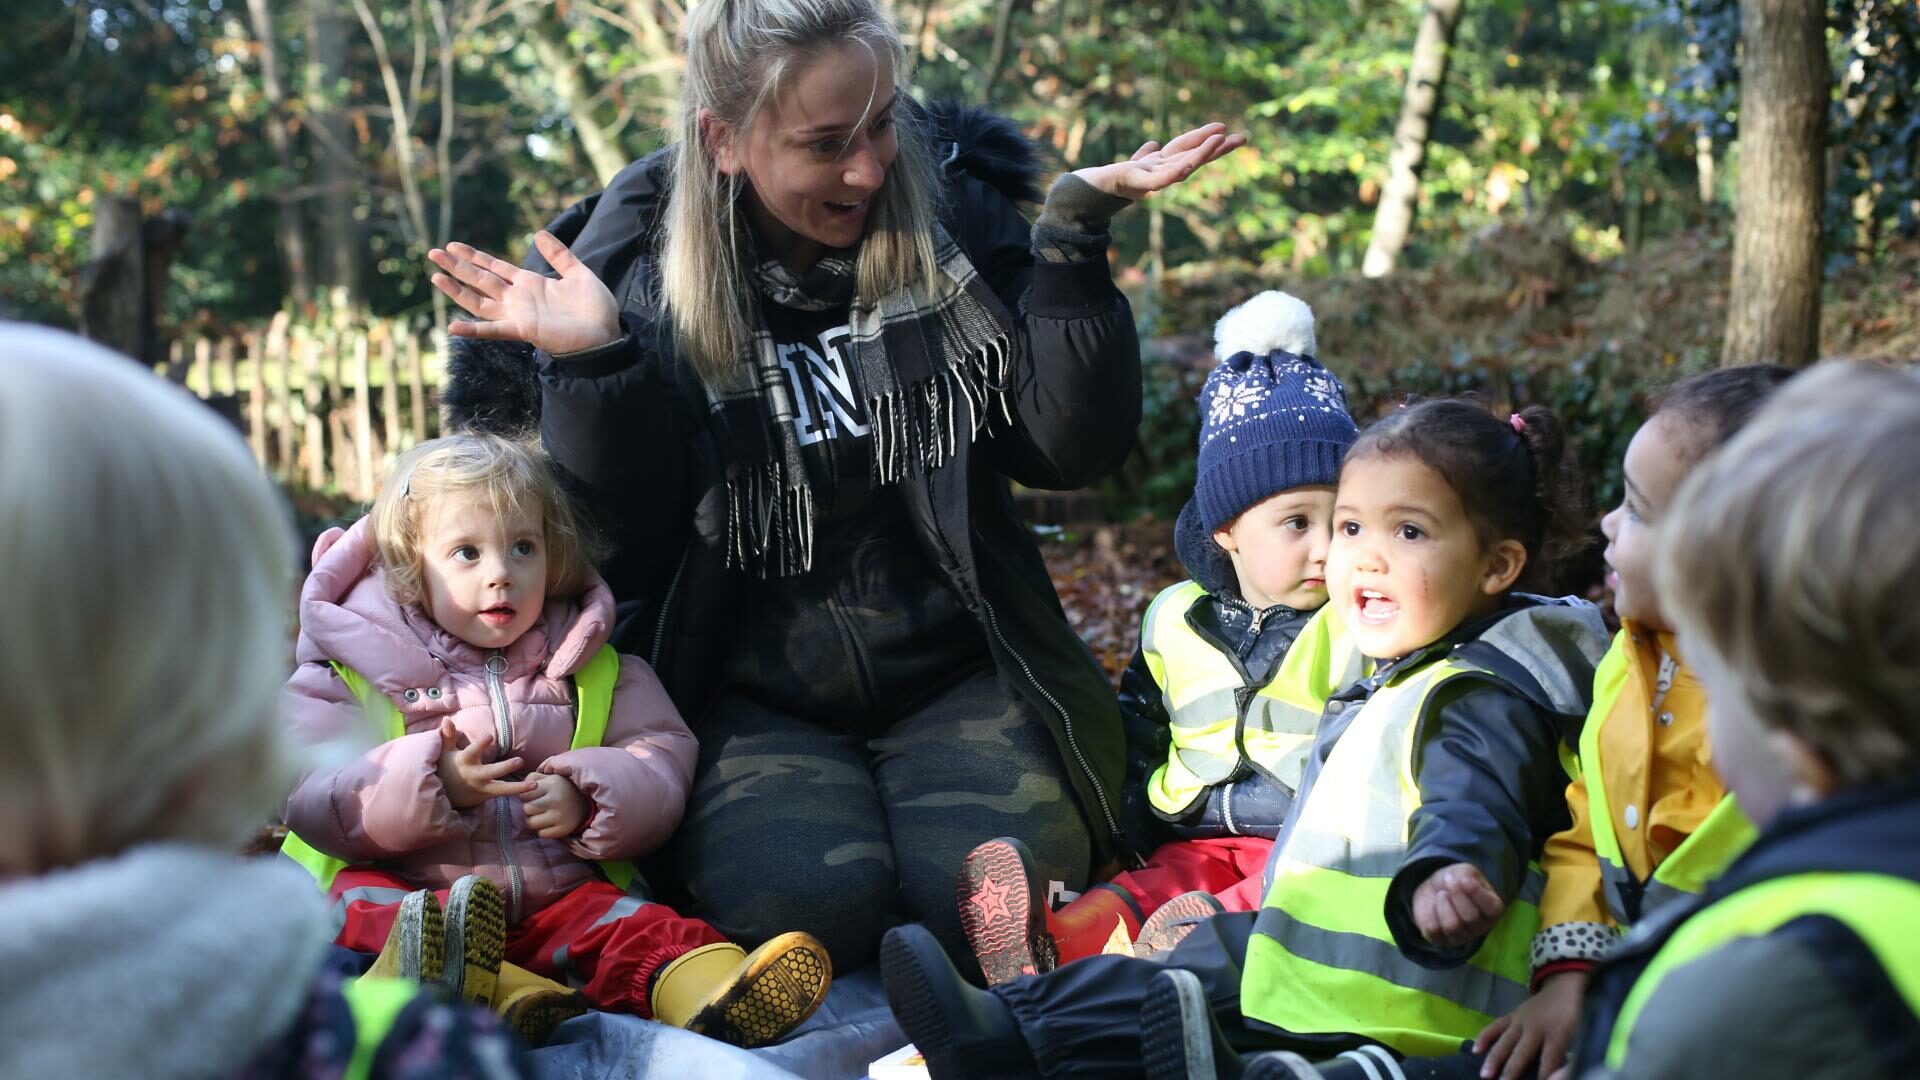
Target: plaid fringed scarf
[{"x": 922, "y": 357}]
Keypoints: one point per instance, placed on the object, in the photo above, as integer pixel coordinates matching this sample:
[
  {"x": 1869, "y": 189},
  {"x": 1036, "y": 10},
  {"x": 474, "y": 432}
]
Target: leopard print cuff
[{"x": 1573, "y": 941}]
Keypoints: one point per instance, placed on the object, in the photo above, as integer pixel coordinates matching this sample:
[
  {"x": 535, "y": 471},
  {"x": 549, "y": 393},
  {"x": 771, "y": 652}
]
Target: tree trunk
[
  {"x": 1773, "y": 312},
  {"x": 573, "y": 86},
  {"x": 112, "y": 288},
  {"x": 1428, "y": 73},
  {"x": 996, "y": 61},
  {"x": 401, "y": 107},
  {"x": 293, "y": 239},
  {"x": 335, "y": 144}
]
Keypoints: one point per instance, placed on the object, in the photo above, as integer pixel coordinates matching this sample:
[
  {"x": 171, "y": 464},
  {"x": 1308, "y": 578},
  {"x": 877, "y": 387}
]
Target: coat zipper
[
  {"x": 1066, "y": 722},
  {"x": 666, "y": 601},
  {"x": 503, "y": 732}
]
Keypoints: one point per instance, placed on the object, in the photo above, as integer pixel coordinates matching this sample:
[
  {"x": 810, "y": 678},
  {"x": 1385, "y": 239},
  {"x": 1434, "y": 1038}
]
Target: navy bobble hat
[{"x": 1271, "y": 417}]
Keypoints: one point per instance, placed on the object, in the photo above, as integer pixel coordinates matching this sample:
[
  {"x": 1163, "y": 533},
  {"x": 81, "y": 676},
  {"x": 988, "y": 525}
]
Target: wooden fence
[{"x": 325, "y": 405}]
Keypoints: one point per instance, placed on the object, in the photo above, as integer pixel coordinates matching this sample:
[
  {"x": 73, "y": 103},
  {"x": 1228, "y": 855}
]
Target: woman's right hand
[{"x": 563, "y": 314}]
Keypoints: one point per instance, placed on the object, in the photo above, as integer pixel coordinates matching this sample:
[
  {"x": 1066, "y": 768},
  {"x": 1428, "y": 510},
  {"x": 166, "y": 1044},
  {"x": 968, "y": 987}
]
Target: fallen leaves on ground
[{"x": 1106, "y": 575}]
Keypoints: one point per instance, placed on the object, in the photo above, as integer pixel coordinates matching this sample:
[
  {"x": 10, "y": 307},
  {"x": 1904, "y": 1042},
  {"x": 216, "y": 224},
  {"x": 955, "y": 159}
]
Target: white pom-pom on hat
[{"x": 1272, "y": 320}]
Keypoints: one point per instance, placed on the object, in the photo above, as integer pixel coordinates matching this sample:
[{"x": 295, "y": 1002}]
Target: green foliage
[
  {"x": 1586, "y": 111},
  {"x": 1875, "y": 129},
  {"x": 1317, "y": 86}
]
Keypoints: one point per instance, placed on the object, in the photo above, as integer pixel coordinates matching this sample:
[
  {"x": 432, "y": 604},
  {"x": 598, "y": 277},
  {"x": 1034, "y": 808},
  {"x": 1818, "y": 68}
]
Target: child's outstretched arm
[
  {"x": 1491, "y": 791},
  {"x": 638, "y": 778},
  {"x": 382, "y": 803}
]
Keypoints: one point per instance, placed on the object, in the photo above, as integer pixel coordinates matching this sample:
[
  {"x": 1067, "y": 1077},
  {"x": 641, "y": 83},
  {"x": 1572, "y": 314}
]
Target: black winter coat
[{"x": 628, "y": 428}]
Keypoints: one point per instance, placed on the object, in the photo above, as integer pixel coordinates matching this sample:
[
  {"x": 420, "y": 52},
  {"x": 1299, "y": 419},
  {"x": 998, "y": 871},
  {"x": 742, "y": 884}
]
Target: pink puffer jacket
[{"x": 387, "y": 807}]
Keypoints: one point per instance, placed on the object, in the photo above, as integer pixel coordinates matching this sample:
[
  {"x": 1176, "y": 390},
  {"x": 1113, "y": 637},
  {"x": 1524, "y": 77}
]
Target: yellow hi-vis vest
[
  {"x": 1322, "y": 960},
  {"x": 1723, "y": 835},
  {"x": 593, "y": 701},
  {"x": 375, "y": 1003},
  {"x": 1877, "y": 907},
  {"x": 1214, "y": 717}
]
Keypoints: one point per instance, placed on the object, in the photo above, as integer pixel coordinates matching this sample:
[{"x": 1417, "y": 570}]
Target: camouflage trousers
[{"x": 796, "y": 826}]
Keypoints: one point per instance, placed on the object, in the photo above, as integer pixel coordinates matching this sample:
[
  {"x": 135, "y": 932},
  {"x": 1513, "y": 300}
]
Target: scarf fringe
[
  {"x": 917, "y": 428},
  {"x": 961, "y": 354},
  {"x": 769, "y": 520}
]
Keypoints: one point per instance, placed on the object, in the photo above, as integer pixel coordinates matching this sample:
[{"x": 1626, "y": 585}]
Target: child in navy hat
[{"x": 1217, "y": 726}]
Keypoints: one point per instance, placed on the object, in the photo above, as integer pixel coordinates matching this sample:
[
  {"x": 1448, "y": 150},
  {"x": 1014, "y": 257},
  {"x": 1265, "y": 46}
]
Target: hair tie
[{"x": 1519, "y": 423}]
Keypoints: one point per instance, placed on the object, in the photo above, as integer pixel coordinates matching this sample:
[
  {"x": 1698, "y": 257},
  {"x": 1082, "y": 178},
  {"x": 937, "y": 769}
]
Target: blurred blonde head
[
  {"x": 1788, "y": 566},
  {"x": 149, "y": 574},
  {"x": 511, "y": 476}
]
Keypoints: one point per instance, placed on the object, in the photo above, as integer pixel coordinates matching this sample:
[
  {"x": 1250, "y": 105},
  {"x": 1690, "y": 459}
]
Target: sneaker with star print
[{"x": 1003, "y": 909}]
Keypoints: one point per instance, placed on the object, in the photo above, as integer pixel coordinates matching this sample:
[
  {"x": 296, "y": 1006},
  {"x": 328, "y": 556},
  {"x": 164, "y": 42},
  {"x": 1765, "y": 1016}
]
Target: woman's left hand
[{"x": 1154, "y": 167}]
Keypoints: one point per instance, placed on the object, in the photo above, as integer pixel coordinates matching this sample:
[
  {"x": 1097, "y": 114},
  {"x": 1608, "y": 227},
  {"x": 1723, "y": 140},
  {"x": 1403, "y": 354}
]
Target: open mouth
[
  {"x": 1375, "y": 607},
  {"x": 847, "y": 209},
  {"x": 498, "y": 615}
]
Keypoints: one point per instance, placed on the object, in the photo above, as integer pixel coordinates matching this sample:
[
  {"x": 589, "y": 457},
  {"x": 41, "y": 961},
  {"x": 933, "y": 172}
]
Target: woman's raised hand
[
  {"x": 1154, "y": 167},
  {"x": 563, "y": 314}
]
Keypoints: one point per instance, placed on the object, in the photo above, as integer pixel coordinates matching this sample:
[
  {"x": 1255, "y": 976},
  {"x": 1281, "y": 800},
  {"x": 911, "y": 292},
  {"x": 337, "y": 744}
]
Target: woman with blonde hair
[
  {"x": 149, "y": 571},
  {"x": 792, "y": 362}
]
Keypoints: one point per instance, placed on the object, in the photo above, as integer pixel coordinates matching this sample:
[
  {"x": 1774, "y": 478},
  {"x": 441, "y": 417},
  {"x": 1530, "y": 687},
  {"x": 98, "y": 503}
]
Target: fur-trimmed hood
[{"x": 492, "y": 385}]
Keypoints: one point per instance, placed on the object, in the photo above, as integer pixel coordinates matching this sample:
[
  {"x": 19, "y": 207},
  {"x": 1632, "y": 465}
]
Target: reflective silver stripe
[
  {"x": 372, "y": 894},
  {"x": 1472, "y": 987},
  {"x": 1268, "y": 713},
  {"x": 1658, "y": 895},
  {"x": 1615, "y": 880},
  {"x": 1209, "y": 708},
  {"x": 1386, "y": 1059},
  {"x": 619, "y": 909},
  {"x": 1335, "y": 853},
  {"x": 1365, "y": 1063},
  {"x": 1331, "y": 852},
  {"x": 1207, "y": 767}
]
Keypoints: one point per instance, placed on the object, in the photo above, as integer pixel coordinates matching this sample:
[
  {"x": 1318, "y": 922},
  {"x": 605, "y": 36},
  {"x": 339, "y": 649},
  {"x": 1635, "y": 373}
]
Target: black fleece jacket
[{"x": 628, "y": 427}]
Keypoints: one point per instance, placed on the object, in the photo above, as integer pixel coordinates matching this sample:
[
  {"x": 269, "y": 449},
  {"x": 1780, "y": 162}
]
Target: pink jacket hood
[{"x": 347, "y": 616}]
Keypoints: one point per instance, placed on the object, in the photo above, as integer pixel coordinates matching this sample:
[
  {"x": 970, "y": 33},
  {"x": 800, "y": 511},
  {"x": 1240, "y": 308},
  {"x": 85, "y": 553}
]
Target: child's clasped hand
[
  {"x": 1456, "y": 906},
  {"x": 470, "y": 779}
]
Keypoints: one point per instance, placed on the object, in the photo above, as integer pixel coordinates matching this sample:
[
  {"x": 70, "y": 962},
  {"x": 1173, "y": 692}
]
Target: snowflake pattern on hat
[
  {"x": 1231, "y": 401},
  {"x": 1271, "y": 418}
]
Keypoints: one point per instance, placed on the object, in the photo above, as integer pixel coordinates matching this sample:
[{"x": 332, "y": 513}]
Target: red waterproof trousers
[
  {"x": 1230, "y": 868},
  {"x": 596, "y": 938}
]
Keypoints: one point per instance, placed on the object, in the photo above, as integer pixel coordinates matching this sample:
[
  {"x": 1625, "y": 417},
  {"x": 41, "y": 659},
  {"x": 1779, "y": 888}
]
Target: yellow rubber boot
[
  {"x": 534, "y": 1005},
  {"x": 416, "y": 946},
  {"x": 747, "y": 999}
]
